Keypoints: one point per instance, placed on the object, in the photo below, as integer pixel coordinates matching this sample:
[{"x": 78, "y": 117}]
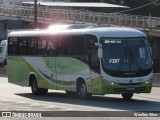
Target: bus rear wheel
[
  {"x": 36, "y": 90},
  {"x": 127, "y": 96}
]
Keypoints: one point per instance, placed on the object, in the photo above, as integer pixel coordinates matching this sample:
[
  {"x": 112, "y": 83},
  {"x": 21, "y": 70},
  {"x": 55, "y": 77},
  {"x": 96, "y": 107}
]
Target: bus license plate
[{"x": 130, "y": 89}]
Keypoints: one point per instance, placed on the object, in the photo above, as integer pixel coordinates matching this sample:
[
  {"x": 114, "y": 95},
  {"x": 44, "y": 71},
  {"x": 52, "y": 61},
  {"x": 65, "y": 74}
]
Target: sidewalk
[{"x": 156, "y": 80}]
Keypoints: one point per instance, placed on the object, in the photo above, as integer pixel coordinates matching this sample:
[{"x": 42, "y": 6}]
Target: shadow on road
[{"x": 98, "y": 101}]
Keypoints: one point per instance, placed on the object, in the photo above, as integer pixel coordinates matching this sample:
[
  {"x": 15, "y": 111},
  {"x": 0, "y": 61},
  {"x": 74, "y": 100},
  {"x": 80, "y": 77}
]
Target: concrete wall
[
  {"x": 12, "y": 2},
  {"x": 9, "y": 25},
  {"x": 3, "y": 33},
  {"x": 156, "y": 80},
  {"x": 12, "y": 24}
]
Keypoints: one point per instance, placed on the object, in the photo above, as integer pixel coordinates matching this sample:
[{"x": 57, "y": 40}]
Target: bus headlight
[
  {"x": 110, "y": 83},
  {"x": 148, "y": 81}
]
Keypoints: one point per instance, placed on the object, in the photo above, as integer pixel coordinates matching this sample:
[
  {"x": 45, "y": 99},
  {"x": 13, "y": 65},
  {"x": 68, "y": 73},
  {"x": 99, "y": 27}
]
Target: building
[
  {"x": 51, "y": 0},
  {"x": 13, "y": 2},
  {"x": 17, "y": 2}
]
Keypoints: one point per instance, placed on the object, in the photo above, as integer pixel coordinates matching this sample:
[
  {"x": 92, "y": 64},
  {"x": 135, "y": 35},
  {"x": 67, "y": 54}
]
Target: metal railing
[{"x": 107, "y": 19}]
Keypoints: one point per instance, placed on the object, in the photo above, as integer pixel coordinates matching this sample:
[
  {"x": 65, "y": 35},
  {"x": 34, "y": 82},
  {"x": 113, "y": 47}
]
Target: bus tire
[
  {"x": 127, "y": 96},
  {"x": 36, "y": 90},
  {"x": 82, "y": 90}
]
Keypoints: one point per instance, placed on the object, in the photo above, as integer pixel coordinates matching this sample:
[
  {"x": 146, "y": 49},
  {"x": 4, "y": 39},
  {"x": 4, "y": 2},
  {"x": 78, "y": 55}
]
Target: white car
[{"x": 3, "y": 52}]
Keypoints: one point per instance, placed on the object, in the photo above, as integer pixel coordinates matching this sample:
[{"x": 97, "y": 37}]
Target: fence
[{"x": 107, "y": 19}]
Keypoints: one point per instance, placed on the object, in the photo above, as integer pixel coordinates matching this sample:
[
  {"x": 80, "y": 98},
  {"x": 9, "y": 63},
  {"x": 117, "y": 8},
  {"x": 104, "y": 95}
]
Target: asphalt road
[{"x": 17, "y": 98}]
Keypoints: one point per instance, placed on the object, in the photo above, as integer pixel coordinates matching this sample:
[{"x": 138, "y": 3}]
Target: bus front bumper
[{"x": 128, "y": 88}]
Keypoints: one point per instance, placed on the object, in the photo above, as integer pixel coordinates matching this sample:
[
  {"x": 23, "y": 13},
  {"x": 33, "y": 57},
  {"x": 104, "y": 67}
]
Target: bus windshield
[{"x": 126, "y": 57}]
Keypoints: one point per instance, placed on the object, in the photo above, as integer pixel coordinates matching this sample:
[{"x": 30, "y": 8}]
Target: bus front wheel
[
  {"x": 127, "y": 96},
  {"x": 83, "y": 91},
  {"x": 36, "y": 90}
]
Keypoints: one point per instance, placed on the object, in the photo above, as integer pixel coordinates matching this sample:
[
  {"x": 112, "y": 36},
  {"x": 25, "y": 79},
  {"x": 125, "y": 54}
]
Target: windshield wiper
[
  {"x": 133, "y": 61},
  {"x": 130, "y": 56},
  {"x": 124, "y": 58}
]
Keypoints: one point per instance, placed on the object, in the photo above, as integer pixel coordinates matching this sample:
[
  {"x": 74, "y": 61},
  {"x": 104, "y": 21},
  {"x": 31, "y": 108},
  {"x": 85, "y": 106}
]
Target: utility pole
[{"x": 35, "y": 14}]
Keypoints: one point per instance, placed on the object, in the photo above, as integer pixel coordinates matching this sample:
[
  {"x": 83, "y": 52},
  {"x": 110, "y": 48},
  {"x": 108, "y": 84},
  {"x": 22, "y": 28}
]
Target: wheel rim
[{"x": 83, "y": 90}]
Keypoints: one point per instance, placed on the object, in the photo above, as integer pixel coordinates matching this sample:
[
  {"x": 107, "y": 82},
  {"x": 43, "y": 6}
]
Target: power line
[{"x": 138, "y": 7}]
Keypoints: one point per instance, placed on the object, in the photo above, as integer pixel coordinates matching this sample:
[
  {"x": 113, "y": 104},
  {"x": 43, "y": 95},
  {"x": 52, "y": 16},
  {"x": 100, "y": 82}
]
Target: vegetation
[{"x": 151, "y": 9}]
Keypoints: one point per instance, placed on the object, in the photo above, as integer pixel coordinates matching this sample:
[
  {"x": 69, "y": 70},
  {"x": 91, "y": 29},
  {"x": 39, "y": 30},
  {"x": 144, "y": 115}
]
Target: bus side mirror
[
  {"x": 97, "y": 44},
  {"x": 100, "y": 52},
  {"x": 151, "y": 54},
  {"x": 151, "y": 51}
]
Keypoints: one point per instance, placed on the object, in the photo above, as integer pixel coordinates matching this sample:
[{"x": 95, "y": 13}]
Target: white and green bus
[{"x": 84, "y": 61}]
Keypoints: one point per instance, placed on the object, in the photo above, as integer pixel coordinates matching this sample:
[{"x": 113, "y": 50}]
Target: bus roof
[
  {"x": 99, "y": 32},
  {"x": 72, "y": 26},
  {"x": 78, "y": 4}
]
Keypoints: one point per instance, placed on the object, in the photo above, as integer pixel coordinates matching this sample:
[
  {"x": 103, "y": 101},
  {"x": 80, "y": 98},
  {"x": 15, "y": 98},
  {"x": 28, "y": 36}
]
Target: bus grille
[
  {"x": 129, "y": 83},
  {"x": 140, "y": 89}
]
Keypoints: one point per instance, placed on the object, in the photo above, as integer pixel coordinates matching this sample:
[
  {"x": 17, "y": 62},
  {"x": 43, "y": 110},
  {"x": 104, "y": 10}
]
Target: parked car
[{"x": 3, "y": 52}]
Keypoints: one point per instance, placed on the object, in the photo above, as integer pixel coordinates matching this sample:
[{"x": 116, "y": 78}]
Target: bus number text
[{"x": 114, "y": 61}]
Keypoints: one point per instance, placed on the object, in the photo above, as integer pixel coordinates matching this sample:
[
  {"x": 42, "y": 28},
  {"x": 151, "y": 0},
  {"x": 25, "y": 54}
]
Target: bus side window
[
  {"x": 12, "y": 43},
  {"x": 92, "y": 51},
  {"x": 42, "y": 46},
  {"x": 63, "y": 46},
  {"x": 78, "y": 47},
  {"x": 22, "y": 46},
  {"x": 51, "y": 47},
  {"x": 32, "y": 46}
]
